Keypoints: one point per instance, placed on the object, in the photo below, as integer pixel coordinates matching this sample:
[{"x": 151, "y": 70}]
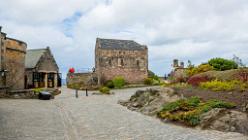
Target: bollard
[
  {"x": 76, "y": 93},
  {"x": 86, "y": 91}
]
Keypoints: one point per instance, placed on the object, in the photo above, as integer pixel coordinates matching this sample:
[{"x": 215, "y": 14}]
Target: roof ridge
[
  {"x": 116, "y": 39},
  {"x": 120, "y": 44}
]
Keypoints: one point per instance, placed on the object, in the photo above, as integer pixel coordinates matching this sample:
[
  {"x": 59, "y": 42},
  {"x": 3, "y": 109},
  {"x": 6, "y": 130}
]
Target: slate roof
[
  {"x": 33, "y": 56},
  {"x": 120, "y": 44}
]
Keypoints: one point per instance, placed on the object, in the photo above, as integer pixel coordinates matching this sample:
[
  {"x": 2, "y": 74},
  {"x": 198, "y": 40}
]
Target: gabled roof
[
  {"x": 33, "y": 56},
  {"x": 120, "y": 44}
]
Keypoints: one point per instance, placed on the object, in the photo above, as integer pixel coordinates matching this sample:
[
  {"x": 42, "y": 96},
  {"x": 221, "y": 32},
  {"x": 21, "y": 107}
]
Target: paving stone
[{"x": 90, "y": 118}]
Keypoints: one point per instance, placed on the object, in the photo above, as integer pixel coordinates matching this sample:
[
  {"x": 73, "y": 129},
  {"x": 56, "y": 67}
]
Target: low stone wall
[
  {"x": 82, "y": 81},
  {"x": 19, "y": 94},
  {"x": 131, "y": 76}
]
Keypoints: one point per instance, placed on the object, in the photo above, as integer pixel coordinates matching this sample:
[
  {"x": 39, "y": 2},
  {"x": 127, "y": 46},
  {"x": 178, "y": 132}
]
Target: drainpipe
[
  {"x": 2, "y": 55},
  {"x": 0, "y": 48}
]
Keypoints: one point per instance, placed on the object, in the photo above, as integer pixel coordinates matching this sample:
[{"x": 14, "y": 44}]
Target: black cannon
[{"x": 43, "y": 95}]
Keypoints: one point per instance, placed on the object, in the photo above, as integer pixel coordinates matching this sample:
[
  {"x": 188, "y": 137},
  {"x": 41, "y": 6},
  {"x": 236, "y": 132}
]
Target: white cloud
[{"x": 189, "y": 29}]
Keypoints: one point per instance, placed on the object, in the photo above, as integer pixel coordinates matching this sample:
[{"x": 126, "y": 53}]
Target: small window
[
  {"x": 138, "y": 63},
  {"x": 110, "y": 62},
  {"x": 122, "y": 62}
]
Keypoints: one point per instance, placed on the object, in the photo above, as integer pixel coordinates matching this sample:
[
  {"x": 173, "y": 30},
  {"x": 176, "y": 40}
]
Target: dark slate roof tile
[{"x": 120, "y": 44}]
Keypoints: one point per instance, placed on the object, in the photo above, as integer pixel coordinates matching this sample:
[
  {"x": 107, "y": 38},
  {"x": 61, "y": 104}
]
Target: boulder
[
  {"x": 225, "y": 120},
  {"x": 149, "y": 101}
]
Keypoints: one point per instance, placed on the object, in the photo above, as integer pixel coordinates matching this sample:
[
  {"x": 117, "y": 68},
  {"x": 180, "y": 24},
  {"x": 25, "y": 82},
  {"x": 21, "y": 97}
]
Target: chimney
[
  {"x": 182, "y": 64},
  {"x": 175, "y": 63}
]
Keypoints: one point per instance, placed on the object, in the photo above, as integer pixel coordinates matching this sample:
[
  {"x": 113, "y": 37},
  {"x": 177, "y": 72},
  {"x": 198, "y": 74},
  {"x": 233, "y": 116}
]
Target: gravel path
[{"x": 96, "y": 117}]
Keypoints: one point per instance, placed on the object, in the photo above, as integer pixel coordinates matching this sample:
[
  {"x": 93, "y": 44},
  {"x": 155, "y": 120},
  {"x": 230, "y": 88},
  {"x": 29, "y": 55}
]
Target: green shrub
[
  {"x": 110, "y": 84},
  {"x": 78, "y": 85},
  {"x": 118, "y": 82},
  {"x": 189, "y": 110},
  {"x": 222, "y": 64},
  {"x": 214, "y": 103},
  {"x": 148, "y": 81},
  {"x": 104, "y": 90},
  {"x": 151, "y": 74},
  {"x": 37, "y": 90}
]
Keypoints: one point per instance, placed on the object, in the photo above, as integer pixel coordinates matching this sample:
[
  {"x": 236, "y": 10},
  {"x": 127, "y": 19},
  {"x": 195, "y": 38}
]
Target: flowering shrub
[
  {"x": 71, "y": 70},
  {"x": 221, "y": 85},
  {"x": 196, "y": 80},
  {"x": 199, "y": 69}
]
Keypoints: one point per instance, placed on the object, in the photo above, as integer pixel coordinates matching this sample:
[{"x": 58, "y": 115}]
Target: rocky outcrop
[
  {"x": 150, "y": 101},
  {"x": 225, "y": 120}
]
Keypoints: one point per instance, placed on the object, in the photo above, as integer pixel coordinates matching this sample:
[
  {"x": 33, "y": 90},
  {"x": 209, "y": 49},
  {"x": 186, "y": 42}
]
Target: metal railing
[{"x": 84, "y": 70}]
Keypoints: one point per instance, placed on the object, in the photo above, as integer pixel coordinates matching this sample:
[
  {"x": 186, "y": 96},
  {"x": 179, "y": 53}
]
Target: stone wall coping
[{"x": 8, "y": 38}]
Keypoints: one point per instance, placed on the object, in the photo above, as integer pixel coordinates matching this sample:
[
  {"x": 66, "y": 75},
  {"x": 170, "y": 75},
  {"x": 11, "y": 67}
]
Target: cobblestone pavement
[{"x": 96, "y": 117}]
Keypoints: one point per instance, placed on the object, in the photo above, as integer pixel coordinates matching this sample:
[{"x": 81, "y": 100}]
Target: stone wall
[
  {"x": 2, "y": 55},
  {"x": 15, "y": 63},
  {"x": 131, "y": 64},
  {"x": 29, "y": 78},
  {"x": 81, "y": 80},
  {"x": 19, "y": 94}
]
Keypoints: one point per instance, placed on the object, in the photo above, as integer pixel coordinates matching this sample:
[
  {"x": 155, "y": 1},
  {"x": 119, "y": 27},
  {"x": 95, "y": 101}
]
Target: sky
[{"x": 195, "y": 30}]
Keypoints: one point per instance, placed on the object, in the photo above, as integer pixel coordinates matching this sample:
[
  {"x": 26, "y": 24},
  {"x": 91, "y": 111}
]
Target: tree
[
  {"x": 238, "y": 61},
  {"x": 222, "y": 64}
]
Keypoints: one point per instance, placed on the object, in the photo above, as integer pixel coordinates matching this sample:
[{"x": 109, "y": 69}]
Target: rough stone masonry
[{"x": 124, "y": 58}]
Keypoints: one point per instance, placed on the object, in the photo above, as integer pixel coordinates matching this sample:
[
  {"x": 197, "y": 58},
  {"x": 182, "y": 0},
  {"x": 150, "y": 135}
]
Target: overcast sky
[{"x": 195, "y": 30}]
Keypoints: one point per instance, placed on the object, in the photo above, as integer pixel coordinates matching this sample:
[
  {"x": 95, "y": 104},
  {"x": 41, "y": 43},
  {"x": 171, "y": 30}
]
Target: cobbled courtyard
[{"x": 96, "y": 117}]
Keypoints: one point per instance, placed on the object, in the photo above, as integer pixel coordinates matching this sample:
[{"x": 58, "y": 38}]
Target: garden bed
[
  {"x": 239, "y": 98},
  {"x": 192, "y": 107}
]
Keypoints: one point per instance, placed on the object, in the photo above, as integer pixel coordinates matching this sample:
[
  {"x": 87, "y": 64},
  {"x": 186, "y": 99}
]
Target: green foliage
[
  {"x": 118, "y": 82},
  {"x": 37, "y": 90},
  {"x": 151, "y": 74},
  {"x": 222, "y": 64},
  {"x": 78, "y": 85},
  {"x": 199, "y": 69},
  {"x": 110, "y": 84},
  {"x": 152, "y": 79},
  {"x": 189, "y": 110},
  {"x": 148, "y": 81},
  {"x": 214, "y": 103},
  {"x": 104, "y": 90}
]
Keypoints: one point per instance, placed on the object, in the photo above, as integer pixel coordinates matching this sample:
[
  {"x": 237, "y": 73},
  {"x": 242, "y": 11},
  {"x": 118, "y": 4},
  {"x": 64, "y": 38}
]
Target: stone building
[
  {"x": 124, "y": 58},
  {"x": 41, "y": 70},
  {"x": 12, "y": 62}
]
